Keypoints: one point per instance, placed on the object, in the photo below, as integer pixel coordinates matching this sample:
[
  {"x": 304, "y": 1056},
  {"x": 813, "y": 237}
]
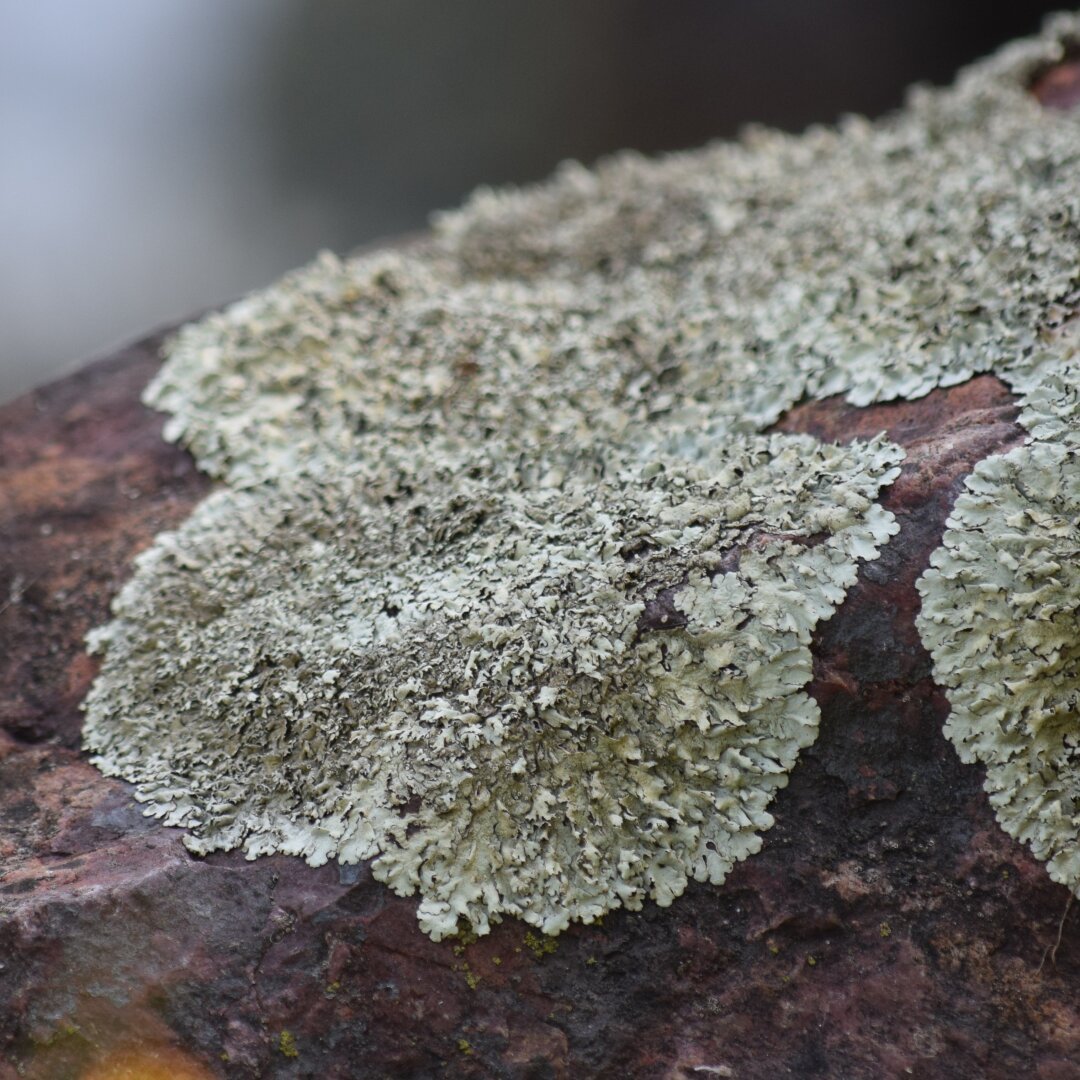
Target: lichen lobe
[
  {"x": 1000, "y": 619},
  {"x": 469, "y": 698}
]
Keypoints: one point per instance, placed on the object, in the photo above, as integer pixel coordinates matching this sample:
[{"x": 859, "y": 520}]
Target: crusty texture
[
  {"x": 549, "y": 701},
  {"x": 705, "y": 291},
  {"x": 999, "y": 617}
]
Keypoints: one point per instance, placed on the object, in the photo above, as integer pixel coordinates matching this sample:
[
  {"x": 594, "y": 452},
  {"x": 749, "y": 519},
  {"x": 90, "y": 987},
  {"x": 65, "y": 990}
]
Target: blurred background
[{"x": 161, "y": 156}]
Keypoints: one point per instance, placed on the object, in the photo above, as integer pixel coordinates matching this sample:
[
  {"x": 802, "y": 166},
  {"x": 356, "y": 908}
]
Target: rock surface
[{"x": 889, "y": 926}]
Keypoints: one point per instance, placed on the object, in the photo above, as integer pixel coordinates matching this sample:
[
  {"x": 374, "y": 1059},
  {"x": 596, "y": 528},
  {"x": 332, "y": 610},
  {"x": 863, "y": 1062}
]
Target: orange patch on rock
[{"x": 148, "y": 1063}]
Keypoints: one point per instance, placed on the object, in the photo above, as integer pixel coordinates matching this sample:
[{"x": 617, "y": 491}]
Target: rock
[{"x": 888, "y": 927}]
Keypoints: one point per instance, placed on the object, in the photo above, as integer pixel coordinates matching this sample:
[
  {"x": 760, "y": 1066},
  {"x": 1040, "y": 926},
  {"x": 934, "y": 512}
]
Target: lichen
[
  {"x": 999, "y": 600},
  {"x": 999, "y": 617},
  {"x": 540, "y": 946},
  {"x": 1051, "y": 407},
  {"x": 712, "y": 289},
  {"x": 548, "y": 699},
  {"x": 287, "y": 1045},
  {"x": 506, "y": 589}
]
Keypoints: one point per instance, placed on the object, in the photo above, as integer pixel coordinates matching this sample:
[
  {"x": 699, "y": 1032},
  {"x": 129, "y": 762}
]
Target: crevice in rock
[{"x": 871, "y": 671}]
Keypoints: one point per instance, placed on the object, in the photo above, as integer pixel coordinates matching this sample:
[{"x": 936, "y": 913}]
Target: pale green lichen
[
  {"x": 712, "y": 289},
  {"x": 505, "y": 593},
  {"x": 1002, "y": 592},
  {"x": 999, "y": 616},
  {"x": 1050, "y": 408},
  {"x": 548, "y": 698}
]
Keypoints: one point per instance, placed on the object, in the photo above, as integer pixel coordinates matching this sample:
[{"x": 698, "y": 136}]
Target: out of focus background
[{"x": 161, "y": 156}]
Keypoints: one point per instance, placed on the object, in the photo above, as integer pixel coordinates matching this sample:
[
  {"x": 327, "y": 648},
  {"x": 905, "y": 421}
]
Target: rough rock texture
[{"x": 888, "y": 926}]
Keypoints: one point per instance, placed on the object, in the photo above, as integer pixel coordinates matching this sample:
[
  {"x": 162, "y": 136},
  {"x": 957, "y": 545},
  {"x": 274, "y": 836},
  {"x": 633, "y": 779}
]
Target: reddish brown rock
[
  {"x": 1059, "y": 87},
  {"x": 888, "y": 927}
]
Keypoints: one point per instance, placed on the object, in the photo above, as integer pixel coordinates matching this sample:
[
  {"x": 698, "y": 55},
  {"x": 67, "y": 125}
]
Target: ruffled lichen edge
[
  {"x": 708, "y": 290},
  {"x": 999, "y": 618},
  {"x": 546, "y": 702}
]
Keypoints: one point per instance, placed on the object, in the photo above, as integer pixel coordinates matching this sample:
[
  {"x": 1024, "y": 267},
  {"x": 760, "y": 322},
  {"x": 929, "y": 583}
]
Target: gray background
[{"x": 159, "y": 156}]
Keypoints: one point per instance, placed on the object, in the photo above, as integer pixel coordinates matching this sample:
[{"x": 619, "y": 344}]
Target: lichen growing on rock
[
  {"x": 1050, "y": 410},
  {"x": 507, "y": 590},
  {"x": 546, "y": 699},
  {"x": 999, "y": 617}
]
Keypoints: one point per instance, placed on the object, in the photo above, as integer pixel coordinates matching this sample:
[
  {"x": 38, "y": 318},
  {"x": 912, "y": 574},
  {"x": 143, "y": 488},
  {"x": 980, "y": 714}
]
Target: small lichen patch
[
  {"x": 540, "y": 946},
  {"x": 999, "y": 617},
  {"x": 287, "y": 1045},
  {"x": 544, "y": 698},
  {"x": 465, "y": 936}
]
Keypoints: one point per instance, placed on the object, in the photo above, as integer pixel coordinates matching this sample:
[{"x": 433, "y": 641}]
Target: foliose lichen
[
  {"x": 999, "y": 616},
  {"x": 548, "y": 699},
  {"x": 1049, "y": 410},
  {"x": 999, "y": 600},
  {"x": 506, "y": 590}
]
